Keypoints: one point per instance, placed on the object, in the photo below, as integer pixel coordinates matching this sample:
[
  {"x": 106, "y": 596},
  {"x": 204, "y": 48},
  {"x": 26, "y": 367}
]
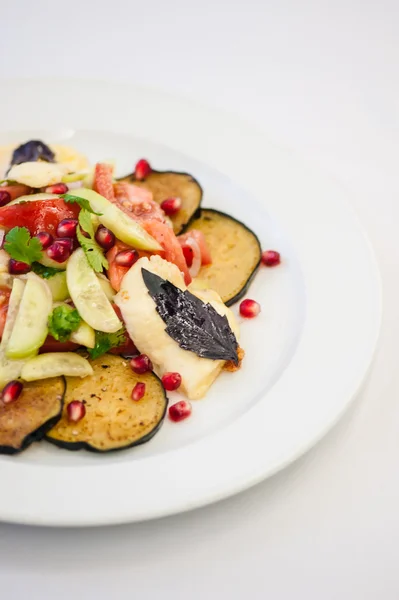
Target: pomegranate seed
[
  {"x": 171, "y": 381},
  {"x": 44, "y": 238},
  {"x": 57, "y": 188},
  {"x": 105, "y": 238},
  {"x": 249, "y": 309},
  {"x": 141, "y": 364},
  {"x": 171, "y": 206},
  {"x": 58, "y": 252},
  {"x": 67, "y": 242},
  {"x": 138, "y": 391},
  {"x": 271, "y": 258},
  {"x": 17, "y": 267},
  {"x": 67, "y": 228},
  {"x": 142, "y": 169},
  {"x": 11, "y": 391},
  {"x": 126, "y": 258},
  {"x": 179, "y": 411},
  {"x": 76, "y": 410},
  {"x": 5, "y": 197},
  {"x": 188, "y": 255}
]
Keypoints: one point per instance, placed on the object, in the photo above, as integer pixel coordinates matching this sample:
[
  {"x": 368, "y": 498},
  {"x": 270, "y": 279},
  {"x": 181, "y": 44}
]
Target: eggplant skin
[
  {"x": 21, "y": 420},
  {"x": 235, "y": 250},
  {"x": 173, "y": 184},
  {"x": 113, "y": 421}
]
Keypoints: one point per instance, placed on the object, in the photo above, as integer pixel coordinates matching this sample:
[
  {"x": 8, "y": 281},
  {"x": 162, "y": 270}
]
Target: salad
[{"x": 112, "y": 293}]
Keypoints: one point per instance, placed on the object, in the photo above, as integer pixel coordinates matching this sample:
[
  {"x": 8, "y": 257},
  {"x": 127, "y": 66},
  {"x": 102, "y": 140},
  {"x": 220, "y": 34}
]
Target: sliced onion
[
  {"x": 197, "y": 260},
  {"x": 74, "y": 184}
]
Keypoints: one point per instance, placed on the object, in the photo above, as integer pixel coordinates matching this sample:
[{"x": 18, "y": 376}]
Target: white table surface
[{"x": 322, "y": 77}]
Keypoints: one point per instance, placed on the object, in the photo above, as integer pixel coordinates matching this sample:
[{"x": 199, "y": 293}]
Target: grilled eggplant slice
[
  {"x": 235, "y": 251},
  {"x": 35, "y": 412},
  {"x": 171, "y": 184},
  {"x": 113, "y": 421}
]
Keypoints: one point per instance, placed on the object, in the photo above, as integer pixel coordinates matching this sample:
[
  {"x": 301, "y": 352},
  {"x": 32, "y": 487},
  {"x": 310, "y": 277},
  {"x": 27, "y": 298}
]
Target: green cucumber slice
[
  {"x": 30, "y": 326},
  {"x": 84, "y": 335},
  {"x": 49, "y": 262},
  {"x": 106, "y": 286},
  {"x": 88, "y": 296},
  {"x": 32, "y": 198},
  {"x": 58, "y": 287},
  {"x": 114, "y": 218},
  {"x": 54, "y": 364}
]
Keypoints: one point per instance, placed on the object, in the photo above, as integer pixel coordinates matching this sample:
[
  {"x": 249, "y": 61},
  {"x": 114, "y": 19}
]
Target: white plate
[{"x": 307, "y": 353}]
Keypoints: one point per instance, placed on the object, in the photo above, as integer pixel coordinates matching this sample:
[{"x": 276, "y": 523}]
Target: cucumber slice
[
  {"x": 54, "y": 364},
  {"x": 58, "y": 287},
  {"x": 11, "y": 369},
  {"x": 30, "y": 327},
  {"x": 114, "y": 218},
  {"x": 106, "y": 287},
  {"x": 84, "y": 335},
  {"x": 88, "y": 296}
]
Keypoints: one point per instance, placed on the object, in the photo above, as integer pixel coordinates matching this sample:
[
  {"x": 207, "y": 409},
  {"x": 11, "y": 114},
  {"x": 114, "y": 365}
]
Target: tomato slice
[
  {"x": 4, "y": 300},
  {"x": 169, "y": 242},
  {"x": 16, "y": 190},
  {"x": 52, "y": 345},
  {"x": 103, "y": 181},
  {"x": 38, "y": 215}
]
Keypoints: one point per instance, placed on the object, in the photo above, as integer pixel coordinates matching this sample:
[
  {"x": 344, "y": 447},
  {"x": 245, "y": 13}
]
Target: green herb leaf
[
  {"x": 63, "y": 321},
  {"x": 93, "y": 251},
  {"x": 83, "y": 203},
  {"x": 21, "y": 246},
  {"x": 86, "y": 223},
  {"x": 106, "y": 341},
  {"x": 45, "y": 272}
]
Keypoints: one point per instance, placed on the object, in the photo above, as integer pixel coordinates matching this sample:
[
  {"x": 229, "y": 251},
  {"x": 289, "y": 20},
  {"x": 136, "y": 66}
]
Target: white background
[{"x": 323, "y": 79}]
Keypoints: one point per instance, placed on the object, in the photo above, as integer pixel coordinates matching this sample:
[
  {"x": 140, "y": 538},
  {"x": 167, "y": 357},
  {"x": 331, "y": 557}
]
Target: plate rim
[{"x": 17, "y": 512}]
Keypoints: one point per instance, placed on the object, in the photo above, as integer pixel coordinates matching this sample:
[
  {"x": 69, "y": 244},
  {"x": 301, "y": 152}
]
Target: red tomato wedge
[
  {"x": 38, "y": 215},
  {"x": 169, "y": 242},
  {"x": 4, "y": 299},
  {"x": 206, "y": 258},
  {"x": 52, "y": 345},
  {"x": 16, "y": 190},
  {"x": 103, "y": 181}
]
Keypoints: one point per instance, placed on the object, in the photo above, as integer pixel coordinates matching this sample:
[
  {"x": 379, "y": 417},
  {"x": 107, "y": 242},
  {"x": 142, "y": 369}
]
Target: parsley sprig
[
  {"x": 93, "y": 251},
  {"x": 83, "y": 203},
  {"x": 21, "y": 246},
  {"x": 106, "y": 341}
]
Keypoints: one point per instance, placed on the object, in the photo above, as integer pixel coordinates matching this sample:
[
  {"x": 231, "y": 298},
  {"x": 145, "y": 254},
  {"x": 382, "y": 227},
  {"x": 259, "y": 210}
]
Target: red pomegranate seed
[
  {"x": 126, "y": 258},
  {"x": 171, "y": 206},
  {"x": 141, "y": 364},
  {"x": 66, "y": 241},
  {"x": 171, "y": 381},
  {"x": 249, "y": 309},
  {"x": 57, "y": 188},
  {"x": 179, "y": 411},
  {"x": 44, "y": 238},
  {"x": 17, "y": 267},
  {"x": 138, "y": 391},
  {"x": 5, "y": 197},
  {"x": 271, "y": 258},
  {"x": 142, "y": 169},
  {"x": 58, "y": 252},
  {"x": 188, "y": 255},
  {"x": 67, "y": 228},
  {"x": 76, "y": 410},
  {"x": 105, "y": 238},
  {"x": 11, "y": 391}
]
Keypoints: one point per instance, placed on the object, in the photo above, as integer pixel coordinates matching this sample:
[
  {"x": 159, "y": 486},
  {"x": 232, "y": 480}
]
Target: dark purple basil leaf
[
  {"x": 32, "y": 151},
  {"x": 194, "y": 325}
]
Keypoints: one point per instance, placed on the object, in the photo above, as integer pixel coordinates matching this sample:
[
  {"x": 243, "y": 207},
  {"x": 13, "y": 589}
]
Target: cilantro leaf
[
  {"x": 86, "y": 223},
  {"x": 83, "y": 203},
  {"x": 21, "y": 246},
  {"x": 93, "y": 251},
  {"x": 45, "y": 272},
  {"x": 106, "y": 341},
  {"x": 63, "y": 321}
]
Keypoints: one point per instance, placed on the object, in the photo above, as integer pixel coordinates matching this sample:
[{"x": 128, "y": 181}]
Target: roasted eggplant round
[
  {"x": 171, "y": 184},
  {"x": 113, "y": 420},
  {"x": 32, "y": 415},
  {"x": 235, "y": 251}
]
